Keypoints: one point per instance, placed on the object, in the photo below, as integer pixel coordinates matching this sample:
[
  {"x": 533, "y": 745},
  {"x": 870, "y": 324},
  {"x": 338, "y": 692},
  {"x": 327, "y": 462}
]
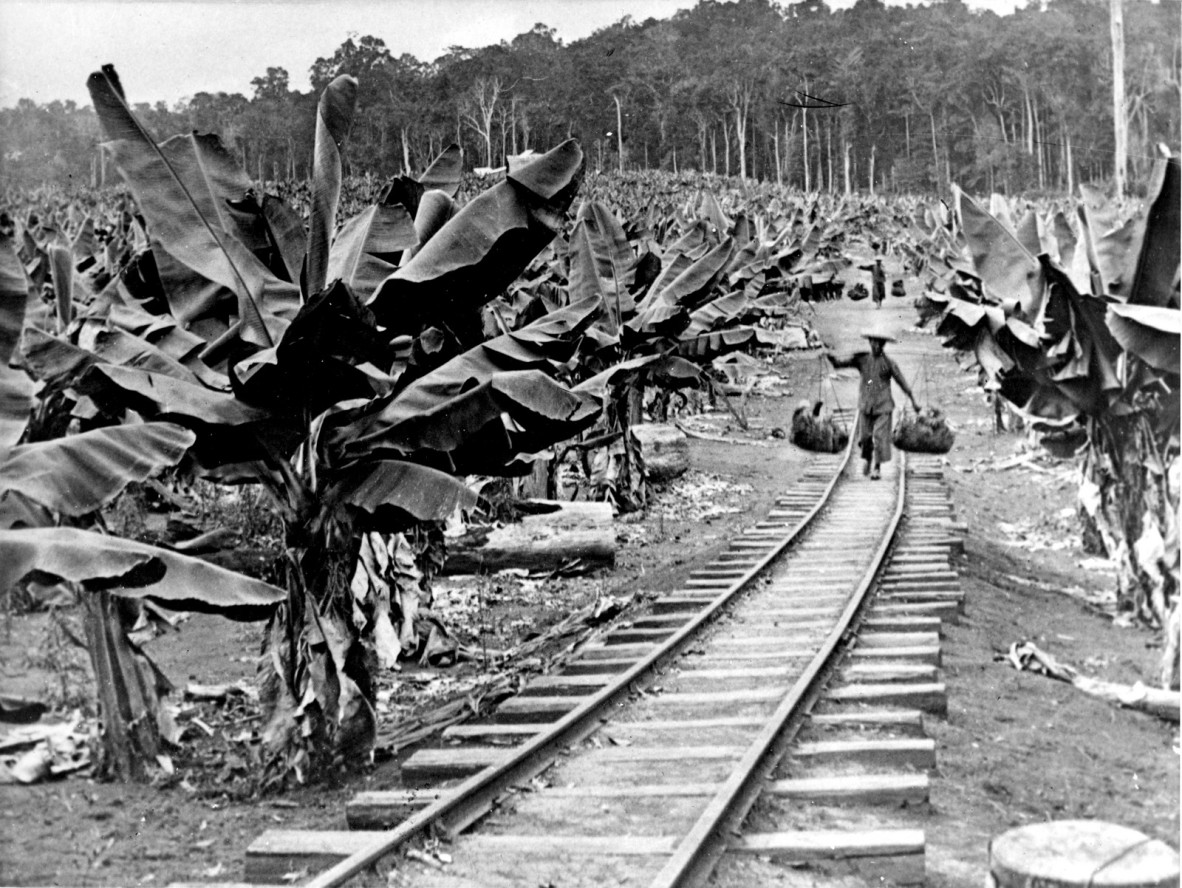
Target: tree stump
[
  {"x": 1080, "y": 854},
  {"x": 664, "y": 448},
  {"x": 541, "y": 542}
]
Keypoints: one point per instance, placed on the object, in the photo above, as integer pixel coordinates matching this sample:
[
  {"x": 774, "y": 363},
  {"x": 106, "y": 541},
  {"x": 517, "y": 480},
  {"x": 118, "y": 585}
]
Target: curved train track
[{"x": 770, "y": 710}]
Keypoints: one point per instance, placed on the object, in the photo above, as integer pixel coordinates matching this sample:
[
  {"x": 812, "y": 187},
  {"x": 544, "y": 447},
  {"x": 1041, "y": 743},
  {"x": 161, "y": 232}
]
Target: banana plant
[
  {"x": 1078, "y": 326},
  {"x": 298, "y": 378}
]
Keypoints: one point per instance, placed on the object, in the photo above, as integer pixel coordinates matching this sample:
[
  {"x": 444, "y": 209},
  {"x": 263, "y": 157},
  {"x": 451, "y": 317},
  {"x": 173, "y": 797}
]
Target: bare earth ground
[{"x": 1016, "y": 748}]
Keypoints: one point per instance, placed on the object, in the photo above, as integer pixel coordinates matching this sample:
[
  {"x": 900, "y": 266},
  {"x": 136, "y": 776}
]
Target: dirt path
[{"x": 1015, "y": 748}]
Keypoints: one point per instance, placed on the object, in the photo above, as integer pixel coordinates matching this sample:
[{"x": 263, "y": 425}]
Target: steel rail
[
  {"x": 471, "y": 799},
  {"x": 698, "y": 852}
]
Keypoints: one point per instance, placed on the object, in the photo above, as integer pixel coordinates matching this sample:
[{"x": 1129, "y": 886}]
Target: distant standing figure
[
  {"x": 875, "y": 404},
  {"x": 878, "y": 277}
]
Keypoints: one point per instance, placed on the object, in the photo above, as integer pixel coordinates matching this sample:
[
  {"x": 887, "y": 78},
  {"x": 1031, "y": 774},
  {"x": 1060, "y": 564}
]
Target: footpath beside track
[{"x": 770, "y": 710}]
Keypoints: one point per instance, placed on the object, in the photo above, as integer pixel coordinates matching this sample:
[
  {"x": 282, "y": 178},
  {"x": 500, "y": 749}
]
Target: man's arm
[
  {"x": 837, "y": 362},
  {"x": 902, "y": 381}
]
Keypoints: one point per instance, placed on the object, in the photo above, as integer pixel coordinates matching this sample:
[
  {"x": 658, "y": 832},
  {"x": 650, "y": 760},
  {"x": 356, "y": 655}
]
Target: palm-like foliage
[
  {"x": 315, "y": 372},
  {"x": 1078, "y": 325}
]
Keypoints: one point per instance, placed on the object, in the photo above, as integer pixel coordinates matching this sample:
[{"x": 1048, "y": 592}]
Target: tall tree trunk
[
  {"x": 675, "y": 160},
  {"x": 1042, "y": 179},
  {"x": 935, "y": 149},
  {"x": 619, "y": 131},
  {"x": 726, "y": 148},
  {"x": 405, "y": 151},
  {"x": 776, "y": 146},
  {"x": 713, "y": 152},
  {"x": 808, "y": 182},
  {"x": 873, "y": 152},
  {"x": 829, "y": 151},
  {"x": 1070, "y": 163},
  {"x": 907, "y": 132},
  {"x": 846, "y": 165},
  {"x": 1120, "y": 123}
]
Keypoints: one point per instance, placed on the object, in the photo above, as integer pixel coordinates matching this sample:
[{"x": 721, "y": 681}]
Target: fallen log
[
  {"x": 564, "y": 533},
  {"x": 664, "y": 449},
  {"x": 1028, "y": 657}
]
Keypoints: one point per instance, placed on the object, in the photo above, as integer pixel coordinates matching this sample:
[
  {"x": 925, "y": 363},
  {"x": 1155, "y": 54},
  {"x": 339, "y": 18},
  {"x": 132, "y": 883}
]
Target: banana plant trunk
[
  {"x": 129, "y": 690},
  {"x": 318, "y": 683}
]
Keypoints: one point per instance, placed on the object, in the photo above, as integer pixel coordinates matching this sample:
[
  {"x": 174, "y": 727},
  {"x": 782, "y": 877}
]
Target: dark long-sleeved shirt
[{"x": 874, "y": 393}]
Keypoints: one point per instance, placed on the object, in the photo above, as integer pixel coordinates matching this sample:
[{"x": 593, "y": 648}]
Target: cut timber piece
[
  {"x": 1081, "y": 854},
  {"x": 928, "y": 654},
  {"x": 278, "y": 852},
  {"x": 517, "y": 733},
  {"x": 566, "y": 685},
  {"x": 686, "y": 604},
  {"x": 911, "y": 623},
  {"x": 860, "y": 789},
  {"x": 664, "y": 449},
  {"x": 898, "y": 639},
  {"x": 894, "y": 672},
  {"x": 896, "y": 855},
  {"x": 382, "y": 809},
  {"x": 915, "y": 752},
  {"x": 427, "y": 766},
  {"x": 571, "y": 530},
  {"x": 928, "y": 697},
  {"x": 534, "y": 709},
  {"x": 904, "y": 721}
]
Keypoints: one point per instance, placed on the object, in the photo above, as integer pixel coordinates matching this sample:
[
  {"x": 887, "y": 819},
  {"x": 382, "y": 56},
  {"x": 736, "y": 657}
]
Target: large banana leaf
[
  {"x": 445, "y": 172},
  {"x": 316, "y": 364},
  {"x": 1150, "y": 332},
  {"x": 483, "y": 248},
  {"x": 367, "y": 248},
  {"x": 717, "y": 312},
  {"x": 14, "y": 297},
  {"x": 334, "y": 117},
  {"x": 16, "y": 389},
  {"x": 471, "y": 414},
  {"x": 286, "y": 233},
  {"x": 393, "y": 494},
  {"x": 614, "y": 260},
  {"x": 174, "y": 191},
  {"x": 157, "y": 395},
  {"x": 1154, "y": 276},
  {"x": 131, "y": 569},
  {"x": 693, "y": 285},
  {"x": 77, "y": 474},
  {"x": 1007, "y": 270}
]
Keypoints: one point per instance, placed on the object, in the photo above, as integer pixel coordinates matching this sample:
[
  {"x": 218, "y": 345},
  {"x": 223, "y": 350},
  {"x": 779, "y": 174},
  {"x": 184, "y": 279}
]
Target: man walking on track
[{"x": 875, "y": 404}]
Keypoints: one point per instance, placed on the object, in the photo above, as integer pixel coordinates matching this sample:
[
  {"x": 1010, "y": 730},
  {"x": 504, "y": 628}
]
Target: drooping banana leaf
[
  {"x": 717, "y": 312},
  {"x": 171, "y": 188},
  {"x": 1150, "y": 332},
  {"x": 317, "y": 364},
  {"x": 131, "y": 569},
  {"x": 1154, "y": 274},
  {"x": 16, "y": 389},
  {"x": 445, "y": 172},
  {"x": 157, "y": 395},
  {"x": 690, "y": 288},
  {"x": 334, "y": 117},
  {"x": 452, "y": 417},
  {"x": 392, "y": 494},
  {"x": 77, "y": 474},
  {"x": 1005, "y": 267},
  {"x": 483, "y": 248},
  {"x": 434, "y": 210}
]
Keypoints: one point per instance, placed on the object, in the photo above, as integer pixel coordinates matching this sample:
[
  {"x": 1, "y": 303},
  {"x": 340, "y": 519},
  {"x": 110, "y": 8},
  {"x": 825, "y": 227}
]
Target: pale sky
[{"x": 171, "y": 49}]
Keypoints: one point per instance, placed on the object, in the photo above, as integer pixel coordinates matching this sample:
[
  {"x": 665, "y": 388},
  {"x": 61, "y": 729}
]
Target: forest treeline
[{"x": 873, "y": 98}]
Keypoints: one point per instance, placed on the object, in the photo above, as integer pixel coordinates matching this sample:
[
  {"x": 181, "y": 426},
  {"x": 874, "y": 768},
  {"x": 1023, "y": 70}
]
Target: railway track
[{"x": 769, "y": 712}]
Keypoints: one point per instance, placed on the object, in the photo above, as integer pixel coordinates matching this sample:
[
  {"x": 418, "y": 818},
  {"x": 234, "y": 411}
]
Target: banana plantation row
[{"x": 363, "y": 367}]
